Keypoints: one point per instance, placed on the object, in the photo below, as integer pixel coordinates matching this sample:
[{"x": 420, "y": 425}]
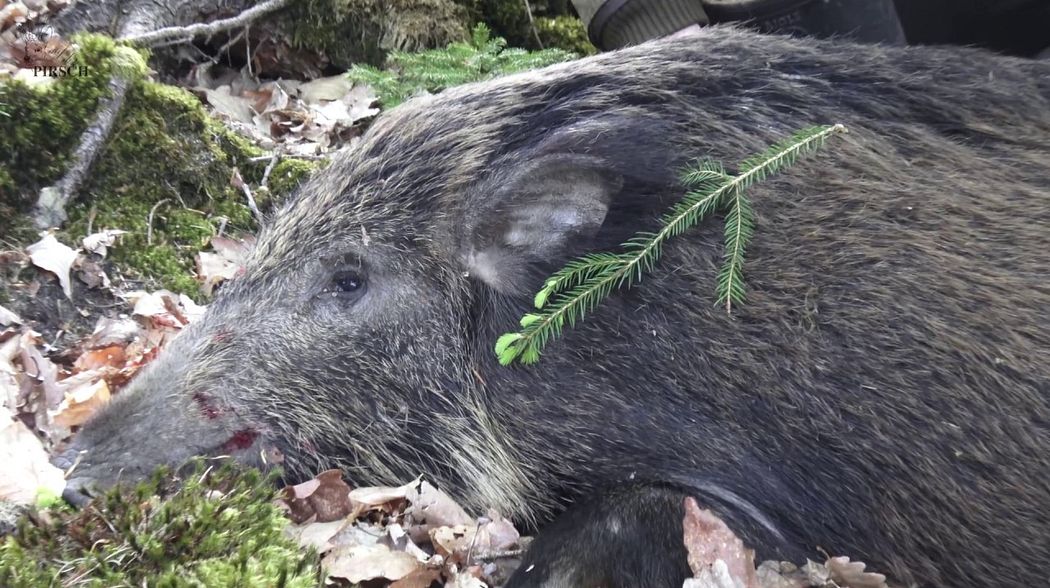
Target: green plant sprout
[{"x": 582, "y": 284}]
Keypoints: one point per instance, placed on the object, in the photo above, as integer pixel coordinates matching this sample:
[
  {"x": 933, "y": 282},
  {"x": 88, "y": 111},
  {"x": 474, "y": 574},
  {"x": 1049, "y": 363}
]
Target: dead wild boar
[{"x": 884, "y": 393}]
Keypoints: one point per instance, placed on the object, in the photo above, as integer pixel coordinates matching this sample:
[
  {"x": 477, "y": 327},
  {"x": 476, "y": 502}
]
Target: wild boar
[{"x": 884, "y": 392}]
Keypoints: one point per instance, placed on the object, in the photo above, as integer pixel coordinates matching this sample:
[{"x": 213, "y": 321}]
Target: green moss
[
  {"x": 167, "y": 157},
  {"x": 165, "y": 154},
  {"x": 41, "y": 126},
  {"x": 348, "y": 32},
  {"x": 218, "y": 528},
  {"x": 288, "y": 174},
  {"x": 554, "y": 21},
  {"x": 565, "y": 32}
]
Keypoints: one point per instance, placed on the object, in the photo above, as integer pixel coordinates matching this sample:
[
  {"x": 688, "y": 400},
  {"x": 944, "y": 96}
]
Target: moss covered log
[{"x": 166, "y": 155}]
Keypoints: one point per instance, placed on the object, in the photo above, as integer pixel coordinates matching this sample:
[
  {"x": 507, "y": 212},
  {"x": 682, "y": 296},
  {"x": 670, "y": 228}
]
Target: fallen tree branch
[
  {"x": 51, "y": 204},
  {"x": 187, "y": 33}
]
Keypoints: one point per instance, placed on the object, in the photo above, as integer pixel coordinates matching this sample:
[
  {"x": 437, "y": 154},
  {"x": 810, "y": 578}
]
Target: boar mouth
[{"x": 82, "y": 485}]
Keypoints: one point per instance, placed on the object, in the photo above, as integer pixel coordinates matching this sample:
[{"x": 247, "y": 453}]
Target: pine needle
[
  {"x": 575, "y": 290},
  {"x": 484, "y": 57}
]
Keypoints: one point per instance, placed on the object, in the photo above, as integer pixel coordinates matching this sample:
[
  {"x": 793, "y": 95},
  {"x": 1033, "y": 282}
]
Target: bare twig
[
  {"x": 238, "y": 182},
  {"x": 91, "y": 217},
  {"x": 494, "y": 555},
  {"x": 190, "y": 32},
  {"x": 473, "y": 540},
  {"x": 304, "y": 157},
  {"x": 532, "y": 24},
  {"x": 222, "y": 226},
  {"x": 149, "y": 221},
  {"x": 269, "y": 169},
  {"x": 248, "y": 50},
  {"x": 226, "y": 46}
]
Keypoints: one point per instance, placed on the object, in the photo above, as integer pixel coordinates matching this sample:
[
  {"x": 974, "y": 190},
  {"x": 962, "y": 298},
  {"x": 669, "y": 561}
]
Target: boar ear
[{"x": 535, "y": 213}]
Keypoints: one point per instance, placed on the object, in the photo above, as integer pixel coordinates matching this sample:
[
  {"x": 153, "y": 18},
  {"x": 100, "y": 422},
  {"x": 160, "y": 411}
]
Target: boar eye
[{"x": 345, "y": 283}]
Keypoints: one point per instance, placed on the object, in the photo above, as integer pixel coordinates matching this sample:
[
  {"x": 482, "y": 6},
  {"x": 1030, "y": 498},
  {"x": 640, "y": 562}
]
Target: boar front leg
[{"x": 626, "y": 537}]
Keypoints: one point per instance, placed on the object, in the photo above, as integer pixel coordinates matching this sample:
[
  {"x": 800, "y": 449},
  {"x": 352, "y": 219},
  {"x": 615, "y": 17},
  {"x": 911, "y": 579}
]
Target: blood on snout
[
  {"x": 240, "y": 440},
  {"x": 208, "y": 406}
]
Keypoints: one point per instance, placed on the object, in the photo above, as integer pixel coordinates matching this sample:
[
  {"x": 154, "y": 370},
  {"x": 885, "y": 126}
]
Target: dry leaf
[
  {"x": 323, "y": 499},
  {"x": 111, "y": 356},
  {"x": 775, "y": 574},
  {"x": 80, "y": 403},
  {"x": 24, "y": 465},
  {"x": 10, "y": 391},
  {"x": 316, "y": 535},
  {"x": 465, "y": 580},
  {"x": 113, "y": 331},
  {"x": 8, "y": 318},
  {"x": 92, "y": 274},
  {"x": 714, "y": 576},
  {"x": 50, "y": 255},
  {"x": 368, "y": 562},
  {"x": 100, "y": 241},
  {"x": 380, "y": 495},
  {"x": 709, "y": 540},
  {"x": 851, "y": 573},
  {"x": 435, "y": 508},
  {"x": 40, "y": 369},
  {"x": 235, "y": 108},
  {"x": 420, "y": 578},
  {"x": 330, "y": 88}
]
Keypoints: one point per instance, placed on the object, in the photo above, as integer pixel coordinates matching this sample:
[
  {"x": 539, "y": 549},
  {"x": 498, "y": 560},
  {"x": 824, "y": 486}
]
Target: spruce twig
[{"x": 582, "y": 284}]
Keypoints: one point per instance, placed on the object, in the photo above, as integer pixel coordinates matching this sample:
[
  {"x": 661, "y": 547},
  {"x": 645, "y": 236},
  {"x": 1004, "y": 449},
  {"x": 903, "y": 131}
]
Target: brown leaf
[
  {"x": 453, "y": 543},
  {"x": 368, "y": 562},
  {"x": 101, "y": 241},
  {"x": 420, "y": 578},
  {"x": 92, "y": 274},
  {"x": 774, "y": 574},
  {"x": 851, "y": 573},
  {"x": 111, "y": 356},
  {"x": 317, "y": 535},
  {"x": 323, "y": 499},
  {"x": 382, "y": 496},
  {"x": 709, "y": 540},
  {"x": 8, "y": 318},
  {"x": 435, "y": 508},
  {"x": 80, "y": 403}
]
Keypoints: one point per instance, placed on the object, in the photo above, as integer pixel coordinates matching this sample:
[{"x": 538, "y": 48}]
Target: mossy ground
[
  {"x": 166, "y": 154},
  {"x": 351, "y": 32},
  {"x": 208, "y": 528},
  {"x": 170, "y": 157},
  {"x": 554, "y": 20},
  {"x": 356, "y": 32},
  {"x": 40, "y": 128}
]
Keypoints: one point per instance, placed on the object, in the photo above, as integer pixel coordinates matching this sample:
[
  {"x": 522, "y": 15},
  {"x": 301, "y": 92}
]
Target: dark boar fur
[{"x": 884, "y": 393}]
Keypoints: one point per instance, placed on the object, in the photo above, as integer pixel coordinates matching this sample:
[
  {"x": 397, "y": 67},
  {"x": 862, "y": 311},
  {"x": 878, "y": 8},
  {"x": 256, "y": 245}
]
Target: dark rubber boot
[
  {"x": 612, "y": 24},
  {"x": 869, "y": 21}
]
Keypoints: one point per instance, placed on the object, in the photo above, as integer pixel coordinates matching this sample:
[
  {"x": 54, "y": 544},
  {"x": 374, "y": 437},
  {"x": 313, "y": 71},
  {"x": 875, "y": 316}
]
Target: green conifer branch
[
  {"x": 483, "y": 57},
  {"x": 582, "y": 284}
]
